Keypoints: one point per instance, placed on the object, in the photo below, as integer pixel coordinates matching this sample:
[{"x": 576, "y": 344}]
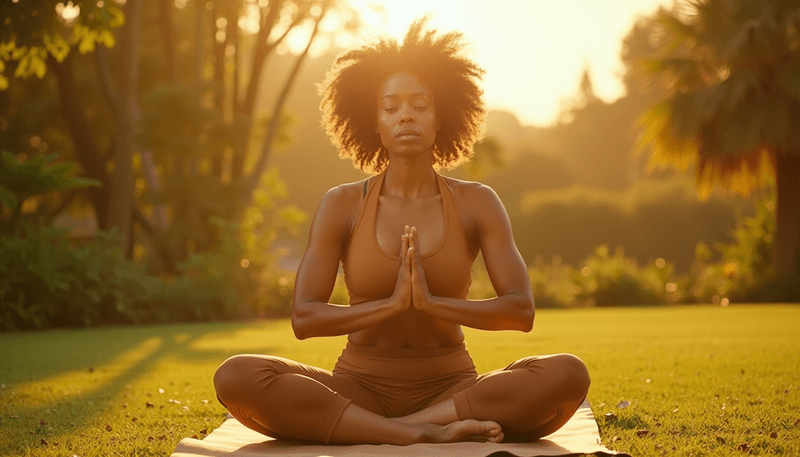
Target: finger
[{"x": 416, "y": 244}]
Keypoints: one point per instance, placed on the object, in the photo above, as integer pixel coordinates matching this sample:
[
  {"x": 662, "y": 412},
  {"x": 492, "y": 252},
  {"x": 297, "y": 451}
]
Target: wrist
[{"x": 425, "y": 302}]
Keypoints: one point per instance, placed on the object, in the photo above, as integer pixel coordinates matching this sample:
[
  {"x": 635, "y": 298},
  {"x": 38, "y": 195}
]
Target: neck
[{"x": 410, "y": 178}]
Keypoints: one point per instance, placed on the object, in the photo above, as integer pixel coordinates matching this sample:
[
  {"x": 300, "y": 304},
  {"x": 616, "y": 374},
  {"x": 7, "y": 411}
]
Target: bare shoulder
[
  {"x": 339, "y": 209},
  {"x": 479, "y": 206},
  {"x": 346, "y": 195},
  {"x": 474, "y": 197}
]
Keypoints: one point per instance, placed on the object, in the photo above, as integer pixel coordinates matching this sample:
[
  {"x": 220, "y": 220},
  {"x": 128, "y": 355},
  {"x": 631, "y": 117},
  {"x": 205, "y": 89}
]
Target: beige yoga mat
[{"x": 578, "y": 436}]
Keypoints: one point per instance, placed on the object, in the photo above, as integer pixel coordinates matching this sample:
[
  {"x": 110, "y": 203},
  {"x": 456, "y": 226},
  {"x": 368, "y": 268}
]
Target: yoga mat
[{"x": 578, "y": 436}]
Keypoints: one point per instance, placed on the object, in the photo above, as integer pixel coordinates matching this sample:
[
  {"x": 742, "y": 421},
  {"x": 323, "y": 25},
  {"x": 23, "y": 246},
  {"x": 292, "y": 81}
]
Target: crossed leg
[
  {"x": 285, "y": 399},
  {"x": 530, "y": 398}
]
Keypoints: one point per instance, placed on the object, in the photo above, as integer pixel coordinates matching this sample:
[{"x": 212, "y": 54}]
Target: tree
[
  {"x": 221, "y": 83},
  {"x": 734, "y": 103}
]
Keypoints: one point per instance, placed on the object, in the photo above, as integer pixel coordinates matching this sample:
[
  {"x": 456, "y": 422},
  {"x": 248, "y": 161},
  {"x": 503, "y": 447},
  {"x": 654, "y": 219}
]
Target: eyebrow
[{"x": 415, "y": 94}]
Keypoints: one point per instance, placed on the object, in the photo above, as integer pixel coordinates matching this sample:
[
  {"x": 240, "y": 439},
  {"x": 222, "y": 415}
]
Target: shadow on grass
[{"x": 49, "y": 354}]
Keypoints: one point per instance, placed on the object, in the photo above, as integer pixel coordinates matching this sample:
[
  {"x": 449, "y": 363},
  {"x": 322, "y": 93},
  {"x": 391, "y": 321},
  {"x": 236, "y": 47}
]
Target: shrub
[
  {"x": 552, "y": 284},
  {"x": 45, "y": 282},
  {"x": 745, "y": 271},
  {"x": 652, "y": 219},
  {"x": 615, "y": 280}
]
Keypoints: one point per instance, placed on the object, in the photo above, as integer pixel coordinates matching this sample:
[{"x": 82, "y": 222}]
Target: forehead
[{"x": 403, "y": 84}]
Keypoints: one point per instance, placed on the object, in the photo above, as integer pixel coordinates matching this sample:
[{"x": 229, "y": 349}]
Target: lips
[{"x": 407, "y": 133}]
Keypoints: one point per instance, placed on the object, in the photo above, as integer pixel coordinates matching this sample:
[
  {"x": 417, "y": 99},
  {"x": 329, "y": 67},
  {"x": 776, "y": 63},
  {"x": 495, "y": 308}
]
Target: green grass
[{"x": 700, "y": 380}]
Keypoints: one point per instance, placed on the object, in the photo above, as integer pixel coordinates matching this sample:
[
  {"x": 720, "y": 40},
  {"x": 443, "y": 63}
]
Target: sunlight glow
[
  {"x": 42, "y": 392},
  {"x": 534, "y": 52},
  {"x": 69, "y": 11}
]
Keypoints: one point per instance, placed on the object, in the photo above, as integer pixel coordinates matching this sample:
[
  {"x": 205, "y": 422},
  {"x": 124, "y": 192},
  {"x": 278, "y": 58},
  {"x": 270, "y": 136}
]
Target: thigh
[
  {"x": 524, "y": 363},
  {"x": 264, "y": 366}
]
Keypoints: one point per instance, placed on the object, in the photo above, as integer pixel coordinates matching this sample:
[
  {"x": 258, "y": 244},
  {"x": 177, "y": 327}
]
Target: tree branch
[
  {"x": 61, "y": 206},
  {"x": 254, "y": 178}
]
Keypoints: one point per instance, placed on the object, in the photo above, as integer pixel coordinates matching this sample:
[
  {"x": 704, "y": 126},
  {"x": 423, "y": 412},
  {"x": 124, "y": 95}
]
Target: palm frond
[
  {"x": 666, "y": 149},
  {"x": 741, "y": 175}
]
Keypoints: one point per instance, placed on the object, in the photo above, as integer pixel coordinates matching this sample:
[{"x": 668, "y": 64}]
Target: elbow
[
  {"x": 528, "y": 316},
  {"x": 299, "y": 329}
]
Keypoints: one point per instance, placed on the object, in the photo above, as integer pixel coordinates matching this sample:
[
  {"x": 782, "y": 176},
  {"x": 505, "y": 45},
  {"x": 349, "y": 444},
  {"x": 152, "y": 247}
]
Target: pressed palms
[{"x": 733, "y": 68}]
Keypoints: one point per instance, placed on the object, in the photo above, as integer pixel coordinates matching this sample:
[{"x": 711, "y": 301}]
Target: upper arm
[
  {"x": 330, "y": 230},
  {"x": 506, "y": 267}
]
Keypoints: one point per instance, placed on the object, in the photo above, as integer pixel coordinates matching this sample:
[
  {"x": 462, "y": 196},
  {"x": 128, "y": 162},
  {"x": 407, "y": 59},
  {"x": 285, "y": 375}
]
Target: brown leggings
[{"x": 278, "y": 397}]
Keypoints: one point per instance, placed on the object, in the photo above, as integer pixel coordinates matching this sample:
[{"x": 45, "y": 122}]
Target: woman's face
[{"x": 406, "y": 115}]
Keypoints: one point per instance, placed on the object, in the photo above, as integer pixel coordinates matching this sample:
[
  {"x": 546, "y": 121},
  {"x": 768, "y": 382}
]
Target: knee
[
  {"x": 237, "y": 375},
  {"x": 228, "y": 375},
  {"x": 573, "y": 374}
]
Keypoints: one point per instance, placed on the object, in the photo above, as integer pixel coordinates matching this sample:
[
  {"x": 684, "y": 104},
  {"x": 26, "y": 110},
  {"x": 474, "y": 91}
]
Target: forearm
[
  {"x": 315, "y": 319},
  {"x": 507, "y": 312}
]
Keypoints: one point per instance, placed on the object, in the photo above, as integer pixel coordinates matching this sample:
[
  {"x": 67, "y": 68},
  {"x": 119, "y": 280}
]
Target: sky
[{"x": 533, "y": 51}]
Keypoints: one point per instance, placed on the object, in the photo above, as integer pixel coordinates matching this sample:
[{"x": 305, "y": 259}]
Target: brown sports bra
[{"x": 370, "y": 273}]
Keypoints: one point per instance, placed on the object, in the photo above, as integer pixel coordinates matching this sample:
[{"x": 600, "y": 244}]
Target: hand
[
  {"x": 420, "y": 295},
  {"x": 401, "y": 297}
]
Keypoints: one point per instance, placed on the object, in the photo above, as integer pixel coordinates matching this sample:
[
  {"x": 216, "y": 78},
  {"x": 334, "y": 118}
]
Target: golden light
[{"x": 69, "y": 12}]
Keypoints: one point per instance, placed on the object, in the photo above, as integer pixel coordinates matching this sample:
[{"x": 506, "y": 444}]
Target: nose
[{"x": 406, "y": 115}]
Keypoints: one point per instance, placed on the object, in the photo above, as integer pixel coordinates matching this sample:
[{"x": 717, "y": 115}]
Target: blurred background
[{"x": 161, "y": 161}]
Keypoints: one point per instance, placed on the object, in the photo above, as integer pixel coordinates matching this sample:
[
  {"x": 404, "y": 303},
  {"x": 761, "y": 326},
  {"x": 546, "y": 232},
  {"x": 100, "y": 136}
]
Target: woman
[{"x": 406, "y": 238}]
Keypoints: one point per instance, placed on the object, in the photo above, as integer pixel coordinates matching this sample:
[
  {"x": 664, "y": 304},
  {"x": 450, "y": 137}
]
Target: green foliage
[
  {"x": 31, "y": 30},
  {"x": 614, "y": 280},
  {"x": 238, "y": 277},
  {"x": 45, "y": 282},
  {"x": 733, "y": 98},
  {"x": 745, "y": 271},
  {"x": 37, "y": 175},
  {"x": 654, "y": 218},
  {"x": 553, "y": 285}
]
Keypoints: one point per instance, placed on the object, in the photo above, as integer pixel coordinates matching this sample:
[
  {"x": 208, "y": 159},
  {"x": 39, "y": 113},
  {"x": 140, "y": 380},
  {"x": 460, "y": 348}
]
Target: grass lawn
[{"x": 699, "y": 380}]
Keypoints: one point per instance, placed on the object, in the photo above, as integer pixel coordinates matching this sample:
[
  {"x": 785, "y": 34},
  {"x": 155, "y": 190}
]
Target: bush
[
  {"x": 606, "y": 280},
  {"x": 552, "y": 284},
  {"x": 44, "y": 282},
  {"x": 745, "y": 272},
  {"x": 652, "y": 219}
]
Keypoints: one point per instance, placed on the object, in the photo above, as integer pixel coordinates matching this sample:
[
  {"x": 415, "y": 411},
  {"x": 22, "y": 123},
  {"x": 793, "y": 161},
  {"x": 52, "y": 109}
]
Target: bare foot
[{"x": 466, "y": 430}]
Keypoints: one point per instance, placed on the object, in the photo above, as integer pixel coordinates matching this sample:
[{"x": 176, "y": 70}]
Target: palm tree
[{"x": 733, "y": 104}]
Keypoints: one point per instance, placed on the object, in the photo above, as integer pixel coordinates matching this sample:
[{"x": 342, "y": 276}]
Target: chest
[{"x": 428, "y": 215}]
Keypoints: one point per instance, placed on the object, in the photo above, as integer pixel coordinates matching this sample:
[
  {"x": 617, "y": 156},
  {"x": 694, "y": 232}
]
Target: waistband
[
  {"x": 404, "y": 353},
  {"x": 404, "y": 364}
]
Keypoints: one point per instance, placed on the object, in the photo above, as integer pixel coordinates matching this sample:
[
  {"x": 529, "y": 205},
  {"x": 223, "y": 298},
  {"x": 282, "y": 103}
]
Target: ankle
[{"x": 427, "y": 433}]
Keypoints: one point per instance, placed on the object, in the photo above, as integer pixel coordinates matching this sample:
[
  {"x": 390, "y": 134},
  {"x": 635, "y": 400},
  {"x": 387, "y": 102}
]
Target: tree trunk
[
  {"x": 251, "y": 183},
  {"x": 165, "y": 22},
  {"x": 121, "y": 198},
  {"x": 786, "y": 250},
  {"x": 93, "y": 163}
]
